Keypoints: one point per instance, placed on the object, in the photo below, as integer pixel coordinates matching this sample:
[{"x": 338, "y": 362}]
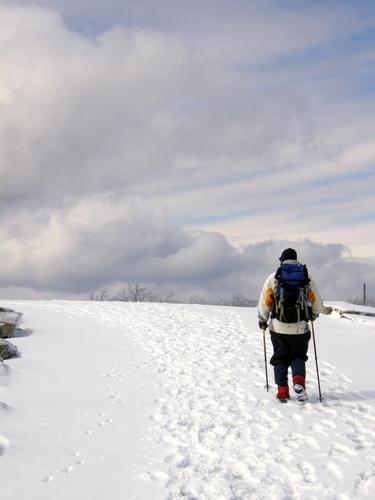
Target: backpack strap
[
  {"x": 307, "y": 279},
  {"x": 279, "y": 295}
]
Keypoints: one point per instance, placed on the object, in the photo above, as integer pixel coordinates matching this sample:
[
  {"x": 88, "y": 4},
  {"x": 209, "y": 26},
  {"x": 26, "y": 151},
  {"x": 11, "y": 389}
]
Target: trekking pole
[
  {"x": 316, "y": 362},
  {"x": 265, "y": 358}
]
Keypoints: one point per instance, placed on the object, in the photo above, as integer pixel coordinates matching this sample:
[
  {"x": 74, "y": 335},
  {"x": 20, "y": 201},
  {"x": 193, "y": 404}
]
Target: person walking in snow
[{"x": 288, "y": 300}]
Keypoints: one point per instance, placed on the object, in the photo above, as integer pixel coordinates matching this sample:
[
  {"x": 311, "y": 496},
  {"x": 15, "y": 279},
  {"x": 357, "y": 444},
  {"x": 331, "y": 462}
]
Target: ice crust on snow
[{"x": 161, "y": 401}]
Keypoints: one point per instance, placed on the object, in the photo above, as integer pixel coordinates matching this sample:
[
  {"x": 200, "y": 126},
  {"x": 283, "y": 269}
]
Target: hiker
[{"x": 289, "y": 299}]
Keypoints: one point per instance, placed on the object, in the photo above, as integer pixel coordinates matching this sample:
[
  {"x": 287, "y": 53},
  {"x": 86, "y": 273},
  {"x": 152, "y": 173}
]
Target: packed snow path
[{"x": 214, "y": 432}]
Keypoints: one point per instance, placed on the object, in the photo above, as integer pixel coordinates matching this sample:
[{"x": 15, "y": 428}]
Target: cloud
[
  {"x": 145, "y": 149},
  {"x": 106, "y": 242},
  {"x": 77, "y": 114},
  {"x": 137, "y": 105}
]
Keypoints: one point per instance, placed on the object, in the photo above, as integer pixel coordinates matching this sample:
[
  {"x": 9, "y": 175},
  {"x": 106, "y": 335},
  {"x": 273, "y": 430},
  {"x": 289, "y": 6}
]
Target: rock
[
  {"x": 8, "y": 350},
  {"x": 9, "y": 321}
]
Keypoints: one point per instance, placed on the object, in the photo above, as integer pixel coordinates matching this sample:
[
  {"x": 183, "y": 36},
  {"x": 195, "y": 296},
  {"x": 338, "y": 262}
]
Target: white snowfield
[{"x": 156, "y": 401}]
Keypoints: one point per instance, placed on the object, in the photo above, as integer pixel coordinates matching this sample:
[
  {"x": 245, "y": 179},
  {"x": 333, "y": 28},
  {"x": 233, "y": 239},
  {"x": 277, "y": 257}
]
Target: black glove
[
  {"x": 314, "y": 316},
  {"x": 263, "y": 324}
]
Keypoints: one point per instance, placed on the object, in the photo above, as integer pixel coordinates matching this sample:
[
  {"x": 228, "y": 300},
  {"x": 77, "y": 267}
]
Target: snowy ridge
[
  {"x": 219, "y": 434},
  {"x": 345, "y": 309}
]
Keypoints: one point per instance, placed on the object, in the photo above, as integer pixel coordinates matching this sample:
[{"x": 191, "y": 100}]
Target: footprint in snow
[
  {"x": 308, "y": 472},
  {"x": 345, "y": 379},
  {"x": 364, "y": 482},
  {"x": 79, "y": 460},
  {"x": 68, "y": 469},
  {"x": 48, "y": 479},
  {"x": 4, "y": 444},
  {"x": 327, "y": 365},
  {"x": 360, "y": 441},
  {"x": 107, "y": 421},
  {"x": 335, "y": 471},
  {"x": 328, "y": 423},
  {"x": 338, "y": 449},
  {"x": 4, "y": 406}
]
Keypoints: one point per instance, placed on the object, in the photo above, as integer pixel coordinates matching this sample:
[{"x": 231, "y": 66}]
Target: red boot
[
  {"x": 299, "y": 383},
  {"x": 282, "y": 393}
]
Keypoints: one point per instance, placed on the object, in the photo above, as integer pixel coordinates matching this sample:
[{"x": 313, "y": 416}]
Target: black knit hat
[{"x": 288, "y": 254}]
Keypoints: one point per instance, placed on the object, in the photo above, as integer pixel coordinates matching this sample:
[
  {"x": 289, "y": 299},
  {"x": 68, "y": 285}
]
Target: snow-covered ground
[{"x": 148, "y": 401}]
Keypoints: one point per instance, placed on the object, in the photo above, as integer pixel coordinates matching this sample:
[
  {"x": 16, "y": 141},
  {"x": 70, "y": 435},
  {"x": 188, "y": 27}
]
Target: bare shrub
[
  {"x": 359, "y": 301},
  {"x": 136, "y": 292}
]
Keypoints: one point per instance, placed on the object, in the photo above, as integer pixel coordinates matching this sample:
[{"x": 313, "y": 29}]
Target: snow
[
  {"x": 166, "y": 401},
  {"x": 345, "y": 308}
]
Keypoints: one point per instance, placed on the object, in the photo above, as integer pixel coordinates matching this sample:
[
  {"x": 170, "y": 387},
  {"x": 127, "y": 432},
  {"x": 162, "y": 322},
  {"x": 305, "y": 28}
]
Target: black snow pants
[{"x": 289, "y": 350}]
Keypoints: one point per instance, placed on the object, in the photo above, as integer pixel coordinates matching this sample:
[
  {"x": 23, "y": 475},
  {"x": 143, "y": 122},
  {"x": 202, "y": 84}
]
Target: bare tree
[
  {"x": 199, "y": 299},
  {"x": 122, "y": 296},
  {"x": 170, "y": 299},
  {"x": 99, "y": 295},
  {"x": 359, "y": 301},
  {"x": 239, "y": 300},
  {"x": 137, "y": 292}
]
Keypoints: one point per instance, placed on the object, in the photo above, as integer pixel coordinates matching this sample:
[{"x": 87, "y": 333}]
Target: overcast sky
[{"x": 184, "y": 144}]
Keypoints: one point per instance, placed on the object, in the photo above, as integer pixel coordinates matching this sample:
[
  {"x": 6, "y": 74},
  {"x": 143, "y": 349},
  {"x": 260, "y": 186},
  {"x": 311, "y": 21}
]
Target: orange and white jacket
[{"x": 266, "y": 302}]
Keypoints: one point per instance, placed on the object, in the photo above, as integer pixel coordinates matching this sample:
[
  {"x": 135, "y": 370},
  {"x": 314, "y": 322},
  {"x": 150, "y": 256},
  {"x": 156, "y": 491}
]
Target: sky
[{"x": 185, "y": 144}]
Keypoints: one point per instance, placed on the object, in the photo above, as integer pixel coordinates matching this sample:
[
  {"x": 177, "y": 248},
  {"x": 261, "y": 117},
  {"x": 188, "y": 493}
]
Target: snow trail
[{"x": 220, "y": 435}]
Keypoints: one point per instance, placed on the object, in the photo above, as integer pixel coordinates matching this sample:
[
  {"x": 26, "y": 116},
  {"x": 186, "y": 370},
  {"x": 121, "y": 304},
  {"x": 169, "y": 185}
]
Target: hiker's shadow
[{"x": 23, "y": 332}]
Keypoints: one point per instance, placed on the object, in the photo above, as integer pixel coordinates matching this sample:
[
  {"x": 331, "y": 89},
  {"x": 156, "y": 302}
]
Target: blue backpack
[{"x": 291, "y": 302}]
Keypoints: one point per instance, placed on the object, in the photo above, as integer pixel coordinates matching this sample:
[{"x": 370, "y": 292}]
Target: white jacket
[{"x": 266, "y": 302}]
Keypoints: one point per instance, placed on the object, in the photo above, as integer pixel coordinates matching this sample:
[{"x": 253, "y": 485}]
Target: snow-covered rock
[
  {"x": 9, "y": 322},
  {"x": 347, "y": 310}
]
